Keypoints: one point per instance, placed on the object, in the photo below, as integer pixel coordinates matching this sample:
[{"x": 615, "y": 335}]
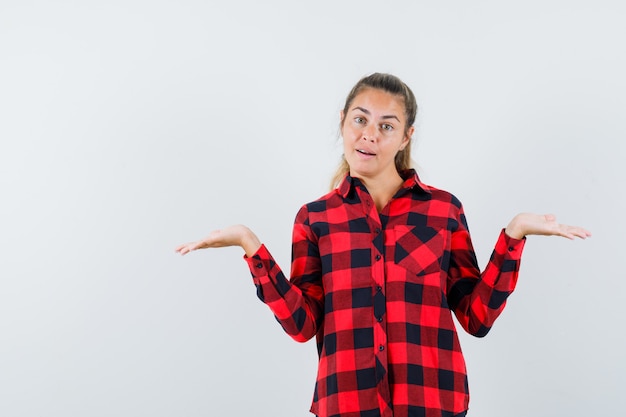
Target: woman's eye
[
  {"x": 387, "y": 127},
  {"x": 359, "y": 120}
]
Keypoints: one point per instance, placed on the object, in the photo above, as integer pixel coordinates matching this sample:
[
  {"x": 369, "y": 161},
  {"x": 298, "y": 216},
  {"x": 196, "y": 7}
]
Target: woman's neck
[{"x": 382, "y": 190}]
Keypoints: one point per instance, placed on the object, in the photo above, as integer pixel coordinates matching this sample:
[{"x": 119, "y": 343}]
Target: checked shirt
[{"x": 377, "y": 291}]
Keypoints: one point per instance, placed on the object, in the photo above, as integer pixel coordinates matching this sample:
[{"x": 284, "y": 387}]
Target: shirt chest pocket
[{"x": 420, "y": 250}]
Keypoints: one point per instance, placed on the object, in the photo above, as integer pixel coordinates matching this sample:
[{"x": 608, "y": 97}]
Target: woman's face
[{"x": 373, "y": 132}]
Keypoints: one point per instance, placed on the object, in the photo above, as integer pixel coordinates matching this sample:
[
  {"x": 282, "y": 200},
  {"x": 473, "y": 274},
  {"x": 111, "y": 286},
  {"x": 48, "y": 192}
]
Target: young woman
[{"x": 379, "y": 265}]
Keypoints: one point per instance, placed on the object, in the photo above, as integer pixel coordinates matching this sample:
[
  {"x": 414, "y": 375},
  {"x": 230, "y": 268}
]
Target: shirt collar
[{"x": 411, "y": 182}]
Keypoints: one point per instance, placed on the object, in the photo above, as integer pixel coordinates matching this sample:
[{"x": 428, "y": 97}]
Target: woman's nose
[{"x": 370, "y": 133}]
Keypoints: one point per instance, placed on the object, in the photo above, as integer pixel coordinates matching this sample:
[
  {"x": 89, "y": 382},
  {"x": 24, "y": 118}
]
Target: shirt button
[
  {"x": 378, "y": 230},
  {"x": 379, "y": 319},
  {"x": 378, "y": 257},
  {"x": 379, "y": 288},
  {"x": 511, "y": 249},
  {"x": 381, "y": 348},
  {"x": 259, "y": 265}
]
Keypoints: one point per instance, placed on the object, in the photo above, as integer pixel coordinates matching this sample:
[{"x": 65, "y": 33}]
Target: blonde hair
[{"x": 392, "y": 85}]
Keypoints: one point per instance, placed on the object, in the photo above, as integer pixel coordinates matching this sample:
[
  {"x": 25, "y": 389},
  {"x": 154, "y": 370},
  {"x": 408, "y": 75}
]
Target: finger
[
  {"x": 563, "y": 231},
  {"x": 573, "y": 232},
  {"x": 582, "y": 233},
  {"x": 181, "y": 247},
  {"x": 193, "y": 246},
  {"x": 187, "y": 249}
]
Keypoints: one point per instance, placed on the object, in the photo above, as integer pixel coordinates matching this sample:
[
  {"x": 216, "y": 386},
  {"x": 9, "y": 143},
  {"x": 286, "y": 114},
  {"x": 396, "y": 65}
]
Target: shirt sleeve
[
  {"x": 297, "y": 303},
  {"x": 476, "y": 298}
]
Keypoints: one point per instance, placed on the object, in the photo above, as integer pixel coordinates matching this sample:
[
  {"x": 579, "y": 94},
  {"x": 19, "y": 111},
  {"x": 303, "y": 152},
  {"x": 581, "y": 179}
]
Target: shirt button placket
[
  {"x": 379, "y": 304},
  {"x": 380, "y": 325},
  {"x": 377, "y": 268}
]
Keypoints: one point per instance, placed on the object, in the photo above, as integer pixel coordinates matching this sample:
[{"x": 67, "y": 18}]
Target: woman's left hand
[{"x": 525, "y": 224}]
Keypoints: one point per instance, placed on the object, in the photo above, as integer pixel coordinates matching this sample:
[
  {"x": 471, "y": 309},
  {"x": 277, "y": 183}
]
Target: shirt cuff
[
  {"x": 259, "y": 264},
  {"x": 513, "y": 247}
]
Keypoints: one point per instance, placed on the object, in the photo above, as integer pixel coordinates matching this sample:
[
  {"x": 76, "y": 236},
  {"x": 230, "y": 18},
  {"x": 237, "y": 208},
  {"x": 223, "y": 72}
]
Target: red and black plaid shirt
[{"x": 377, "y": 291}]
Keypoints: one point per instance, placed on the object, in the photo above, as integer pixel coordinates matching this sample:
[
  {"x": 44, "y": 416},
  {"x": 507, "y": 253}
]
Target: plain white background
[{"x": 128, "y": 127}]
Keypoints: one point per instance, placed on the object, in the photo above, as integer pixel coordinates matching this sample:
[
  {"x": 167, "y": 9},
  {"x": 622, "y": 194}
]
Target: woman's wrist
[
  {"x": 515, "y": 228},
  {"x": 250, "y": 242}
]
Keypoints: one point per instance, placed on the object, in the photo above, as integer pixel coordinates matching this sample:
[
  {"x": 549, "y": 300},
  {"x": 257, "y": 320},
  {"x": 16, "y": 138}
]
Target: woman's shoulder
[
  {"x": 323, "y": 202},
  {"x": 318, "y": 210},
  {"x": 438, "y": 194}
]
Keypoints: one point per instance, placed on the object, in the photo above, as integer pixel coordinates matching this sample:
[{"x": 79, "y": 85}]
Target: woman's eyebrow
[{"x": 387, "y": 116}]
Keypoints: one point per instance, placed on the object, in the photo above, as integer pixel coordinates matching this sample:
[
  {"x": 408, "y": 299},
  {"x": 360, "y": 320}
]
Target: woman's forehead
[{"x": 376, "y": 100}]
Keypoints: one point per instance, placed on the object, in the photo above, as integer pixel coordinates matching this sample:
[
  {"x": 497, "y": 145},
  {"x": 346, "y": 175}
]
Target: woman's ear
[{"x": 407, "y": 138}]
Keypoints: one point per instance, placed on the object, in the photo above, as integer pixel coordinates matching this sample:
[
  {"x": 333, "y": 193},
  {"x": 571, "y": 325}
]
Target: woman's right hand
[{"x": 236, "y": 235}]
